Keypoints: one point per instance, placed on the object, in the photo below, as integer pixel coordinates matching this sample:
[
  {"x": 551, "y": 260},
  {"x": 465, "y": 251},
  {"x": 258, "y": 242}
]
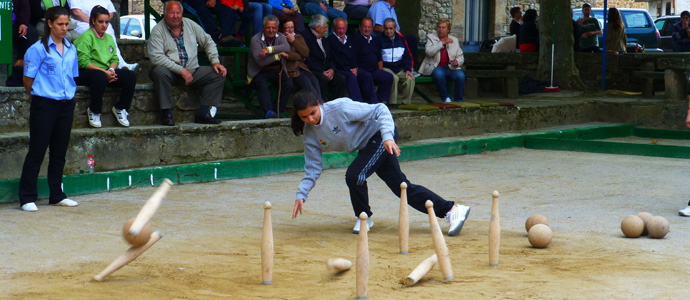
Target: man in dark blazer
[{"x": 320, "y": 61}]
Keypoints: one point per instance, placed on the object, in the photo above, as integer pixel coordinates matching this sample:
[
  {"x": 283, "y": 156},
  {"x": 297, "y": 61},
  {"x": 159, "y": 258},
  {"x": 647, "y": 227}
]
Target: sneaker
[
  {"x": 213, "y": 111},
  {"x": 29, "y": 207},
  {"x": 685, "y": 212},
  {"x": 456, "y": 217},
  {"x": 271, "y": 115},
  {"x": 94, "y": 119},
  {"x": 121, "y": 116},
  {"x": 416, "y": 74},
  {"x": 447, "y": 100},
  {"x": 66, "y": 202},
  {"x": 370, "y": 223},
  {"x": 132, "y": 67}
]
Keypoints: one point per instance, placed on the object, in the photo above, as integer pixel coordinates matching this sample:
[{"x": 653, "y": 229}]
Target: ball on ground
[
  {"x": 632, "y": 226},
  {"x": 658, "y": 227},
  {"x": 535, "y": 219},
  {"x": 540, "y": 236},
  {"x": 140, "y": 239},
  {"x": 645, "y": 216}
]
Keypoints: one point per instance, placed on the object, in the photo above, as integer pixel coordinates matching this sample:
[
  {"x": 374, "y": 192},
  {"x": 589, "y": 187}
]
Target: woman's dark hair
[
  {"x": 685, "y": 13},
  {"x": 615, "y": 18},
  {"x": 97, "y": 11},
  {"x": 51, "y": 15},
  {"x": 284, "y": 19},
  {"x": 301, "y": 101},
  {"x": 529, "y": 16}
]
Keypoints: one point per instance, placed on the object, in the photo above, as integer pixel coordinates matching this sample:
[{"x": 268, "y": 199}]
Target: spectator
[
  {"x": 228, "y": 12},
  {"x": 615, "y": 33},
  {"x": 443, "y": 61},
  {"x": 384, "y": 9},
  {"x": 515, "y": 24},
  {"x": 38, "y": 12},
  {"x": 98, "y": 69},
  {"x": 345, "y": 59},
  {"x": 320, "y": 62},
  {"x": 296, "y": 69},
  {"x": 681, "y": 33},
  {"x": 357, "y": 9},
  {"x": 283, "y": 8},
  {"x": 81, "y": 9},
  {"x": 576, "y": 33},
  {"x": 52, "y": 108},
  {"x": 529, "y": 34},
  {"x": 268, "y": 51},
  {"x": 23, "y": 36},
  {"x": 397, "y": 61},
  {"x": 259, "y": 9},
  {"x": 370, "y": 62},
  {"x": 172, "y": 49},
  {"x": 320, "y": 7},
  {"x": 589, "y": 29}
]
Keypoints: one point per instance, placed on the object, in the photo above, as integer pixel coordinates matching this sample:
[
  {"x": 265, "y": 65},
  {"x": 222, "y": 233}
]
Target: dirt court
[{"x": 212, "y": 235}]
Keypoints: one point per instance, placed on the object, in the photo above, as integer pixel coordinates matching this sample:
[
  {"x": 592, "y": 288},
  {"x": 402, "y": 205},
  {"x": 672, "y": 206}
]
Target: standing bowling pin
[
  {"x": 403, "y": 220},
  {"x": 494, "y": 232},
  {"x": 439, "y": 243},
  {"x": 267, "y": 247},
  {"x": 362, "y": 260}
]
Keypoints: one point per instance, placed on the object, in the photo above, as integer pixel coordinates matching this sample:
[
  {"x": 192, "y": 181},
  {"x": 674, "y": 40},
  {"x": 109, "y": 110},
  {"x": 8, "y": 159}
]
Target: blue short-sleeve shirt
[
  {"x": 382, "y": 10},
  {"x": 52, "y": 72}
]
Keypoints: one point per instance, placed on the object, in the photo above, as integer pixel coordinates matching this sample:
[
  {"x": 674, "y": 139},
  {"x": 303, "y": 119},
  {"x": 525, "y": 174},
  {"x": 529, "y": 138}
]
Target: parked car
[
  {"x": 132, "y": 27},
  {"x": 639, "y": 27},
  {"x": 665, "y": 26}
]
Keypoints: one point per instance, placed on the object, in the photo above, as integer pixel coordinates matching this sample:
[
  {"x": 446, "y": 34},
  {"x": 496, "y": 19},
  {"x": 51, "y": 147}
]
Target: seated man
[
  {"x": 319, "y": 60},
  {"x": 172, "y": 49},
  {"x": 283, "y": 8},
  {"x": 384, "y": 9},
  {"x": 397, "y": 61},
  {"x": 38, "y": 13},
  {"x": 369, "y": 61},
  {"x": 357, "y": 9},
  {"x": 267, "y": 53},
  {"x": 319, "y": 7}
]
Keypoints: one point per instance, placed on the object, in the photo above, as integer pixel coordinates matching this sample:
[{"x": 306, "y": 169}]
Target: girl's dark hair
[
  {"x": 301, "y": 101},
  {"x": 51, "y": 15},
  {"x": 95, "y": 12},
  {"x": 615, "y": 18},
  {"x": 529, "y": 16},
  {"x": 685, "y": 13}
]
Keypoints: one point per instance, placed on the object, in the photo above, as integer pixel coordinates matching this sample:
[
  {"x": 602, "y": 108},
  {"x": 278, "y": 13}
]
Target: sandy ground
[{"x": 212, "y": 236}]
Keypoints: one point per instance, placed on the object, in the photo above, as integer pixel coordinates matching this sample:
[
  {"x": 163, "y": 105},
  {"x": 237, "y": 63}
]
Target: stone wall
[{"x": 432, "y": 10}]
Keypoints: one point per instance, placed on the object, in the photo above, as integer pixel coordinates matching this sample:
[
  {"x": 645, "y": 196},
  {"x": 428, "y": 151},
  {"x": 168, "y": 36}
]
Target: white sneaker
[
  {"x": 67, "y": 202},
  {"x": 370, "y": 223},
  {"x": 29, "y": 207},
  {"x": 447, "y": 100},
  {"x": 132, "y": 67},
  {"x": 456, "y": 217},
  {"x": 94, "y": 119},
  {"x": 685, "y": 212},
  {"x": 416, "y": 74},
  {"x": 121, "y": 116}
]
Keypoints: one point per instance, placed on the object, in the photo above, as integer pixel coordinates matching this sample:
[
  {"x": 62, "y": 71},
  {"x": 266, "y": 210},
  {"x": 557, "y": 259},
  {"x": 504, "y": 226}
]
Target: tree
[{"x": 565, "y": 72}]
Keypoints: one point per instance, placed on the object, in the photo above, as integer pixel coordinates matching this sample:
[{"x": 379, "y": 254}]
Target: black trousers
[
  {"x": 374, "y": 158},
  {"x": 50, "y": 124},
  {"x": 97, "y": 80},
  {"x": 331, "y": 89},
  {"x": 260, "y": 84}
]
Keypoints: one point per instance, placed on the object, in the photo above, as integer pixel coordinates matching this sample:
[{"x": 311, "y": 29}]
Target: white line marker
[
  {"x": 108, "y": 183},
  {"x": 215, "y": 173},
  {"x": 151, "y": 179}
]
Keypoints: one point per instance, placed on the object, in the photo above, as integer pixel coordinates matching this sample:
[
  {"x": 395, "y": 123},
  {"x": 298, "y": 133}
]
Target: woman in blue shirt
[{"x": 50, "y": 66}]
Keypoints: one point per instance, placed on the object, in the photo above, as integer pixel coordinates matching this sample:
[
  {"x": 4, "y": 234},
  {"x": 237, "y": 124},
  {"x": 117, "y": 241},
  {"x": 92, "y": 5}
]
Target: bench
[{"x": 510, "y": 82}]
